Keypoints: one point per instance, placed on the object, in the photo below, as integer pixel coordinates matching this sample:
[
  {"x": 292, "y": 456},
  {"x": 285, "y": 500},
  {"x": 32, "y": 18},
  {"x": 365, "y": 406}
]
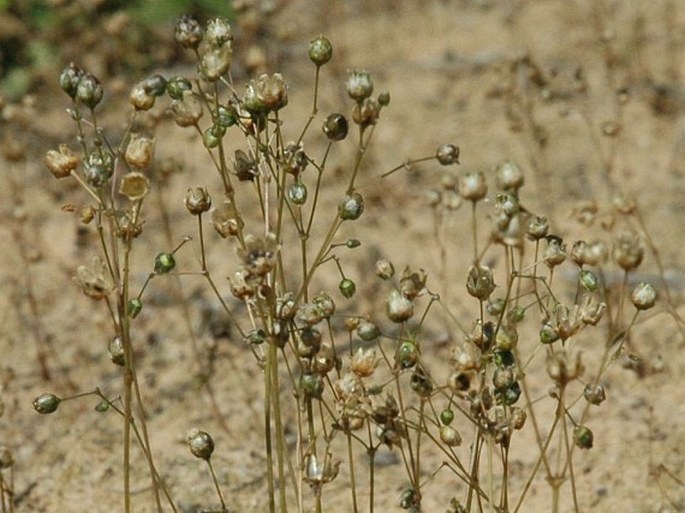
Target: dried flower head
[
  {"x": 259, "y": 254},
  {"x": 188, "y": 32},
  {"x": 226, "y": 219},
  {"x": 359, "y": 85}
]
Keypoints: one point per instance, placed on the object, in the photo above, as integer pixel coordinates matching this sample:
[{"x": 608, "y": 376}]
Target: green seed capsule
[
  {"x": 297, "y": 193},
  {"x": 351, "y": 207},
  {"x": 311, "y": 385},
  {"x": 446, "y": 416},
  {"x": 347, "y": 288},
  {"x": 320, "y": 51},
  {"x": 200, "y": 444},
  {"x": 135, "y": 306},
  {"x": 583, "y": 437},
  {"x": 164, "y": 263},
  {"x": 176, "y": 86},
  {"x": 407, "y": 354},
  {"x": 508, "y": 396},
  {"x": 46, "y": 403},
  {"x": 588, "y": 280}
]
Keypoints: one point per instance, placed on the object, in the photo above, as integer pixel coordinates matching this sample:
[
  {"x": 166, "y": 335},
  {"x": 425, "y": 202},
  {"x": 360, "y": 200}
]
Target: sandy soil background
[{"x": 458, "y": 71}]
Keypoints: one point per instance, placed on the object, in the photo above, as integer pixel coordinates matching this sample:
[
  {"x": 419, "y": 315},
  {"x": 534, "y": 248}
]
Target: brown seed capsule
[
  {"x": 134, "y": 186},
  {"x": 643, "y": 296},
  {"x": 447, "y": 154},
  {"x": 139, "y": 152},
  {"x": 480, "y": 282},
  {"x": 398, "y": 307},
  {"x": 509, "y": 177},
  {"x": 62, "y": 162},
  {"x": 628, "y": 251},
  {"x": 359, "y": 85},
  {"x": 197, "y": 200}
]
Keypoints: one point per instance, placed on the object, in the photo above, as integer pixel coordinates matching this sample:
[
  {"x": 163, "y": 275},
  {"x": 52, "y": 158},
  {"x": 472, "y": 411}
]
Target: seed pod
[
  {"x": 352, "y": 207},
  {"x": 188, "y": 32},
  {"x": 588, "y": 280},
  {"x": 472, "y": 186},
  {"x": 134, "y": 186},
  {"x": 398, "y": 307},
  {"x": 554, "y": 253},
  {"x": 516, "y": 314},
  {"x": 509, "y": 395},
  {"x": 384, "y": 269},
  {"x": 312, "y": 385},
  {"x": 89, "y": 90},
  {"x": 447, "y": 154},
  {"x": 197, "y": 200},
  {"x": 218, "y": 32},
  {"x": 368, "y": 331},
  {"x": 518, "y": 418},
  {"x": 188, "y": 110},
  {"x": 643, "y": 296},
  {"x": 450, "y": 436},
  {"x": 227, "y": 116},
  {"x": 177, "y": 86},
  {"x": 347, "y": 287},
  {"x": 311, "y": 337},
  {"x": 336, "y": 127},
  {"x": 164, "y": 263},
  {"x": 421, "y": 383},
  {"x": 297, "y": 193},
  {"x": 98, "y": 168},
  {"x": 504, "y": 377},
  {"x": 135, "y": 306},
  {"x": 509, "y": 177},
  {"x": 267, "y": 93},
  {"x": 384, "y": 99},
  {"x": 215, "y": 61},
  {"x": 366, "y": 112},
  {"x": 320, "y": 50},
  {"x": 364, "y": 362},
  {"x": 359, "y": 85},
  {"x": 407, "y": 355},
  {"x": 62, "y": 162},
  {"x": 353, "y": 243},
  {"x": 537, "y": 228},
  {"x": 548, "y": 335},
  {"x": 211, "y": 137},
  {"x": 594, "y": 394},
  {"x": 628, "y": 251},
  {"x": 504, "y": 359},
  {"x": 46, "y": 403},
  {"x": 140, "y": 98},
  {"x": 69, "y": 79},
  {"x": 583, "y": 437},
  {"x": 446, "y": 416},
  {"x": 116, "y": 351},
  {"x": 325, "y": 303},
  {"x": 480, "y": 282},
  {"x": 200, "y": 444}
]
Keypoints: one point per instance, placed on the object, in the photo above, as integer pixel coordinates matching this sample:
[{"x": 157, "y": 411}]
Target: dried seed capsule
[
  {"x": 359, "y": 85},
  {"x": 594, "y": 394},
  {"x": 368, "y": 331},
  {"x": 134, "y": 186},
  {"x": 89, "y": 90},
  {"x": 197, "y": 200},
  {"x": 351, "y": 207},
  {"x": 347, "y": 287},
  {"x": 116, "y": 351},
  {"x": 218, "y": 32},
  {"x": 267, "y": 93},
  {"x": 628, "y": 251},
  {"x": 164, "y": 263},
  {"x": 366, "y": 112},
  {"x": 450, "y": 436},
  {"x": 364, "y": 362},
  {"x": 140, "y": 98},
  {"x": 554, "y": 253},
  {"x": 46, "y": 403},
  {"x": 480, "y": 282},
  {"x": 509, "y": 177},
  {"x": 320, "y": 50},
  {"x": 384, "y": 99},
  {"x": 61, "y": 163},
  {"x": 98, "y": 168},
  {"x": 537, "y": 228},
  {"x": 421, "y": 383},
  {"x": 384, "y": 269},
  {"x": 472, "y": 186},
  {"x": 200, "y": 444},
  {"x": 504, "y": 377},
  {"x": 643, "y": 296},
  {"x": 548, "y": 335},
  {"x": 504, "y": 358},
  {"x": 188, "y": 110},
  {"x": 188, "y": 32},
  {"x": 398, "y": 307},
  {"x": 447, "y": 154},
  {"x": 336, "y": 127},
  {"x": 509, "y": 395},
  {"x": 583, "y": 437},
  {"x": 325, "y": 303}
]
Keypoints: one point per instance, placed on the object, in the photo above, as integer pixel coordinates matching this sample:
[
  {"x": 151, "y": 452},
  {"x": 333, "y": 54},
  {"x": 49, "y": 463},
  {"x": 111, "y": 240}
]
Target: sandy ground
[{"x": 458, "y": 71}]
